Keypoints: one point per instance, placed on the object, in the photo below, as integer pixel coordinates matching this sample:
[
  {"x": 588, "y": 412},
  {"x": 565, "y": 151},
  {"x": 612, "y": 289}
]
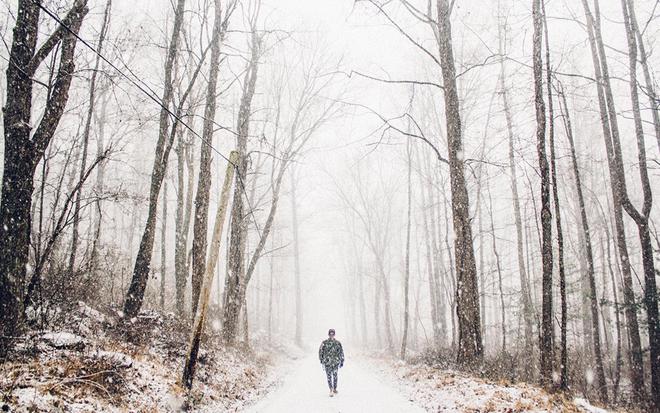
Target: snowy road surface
[{"x": 304, "y": 389}]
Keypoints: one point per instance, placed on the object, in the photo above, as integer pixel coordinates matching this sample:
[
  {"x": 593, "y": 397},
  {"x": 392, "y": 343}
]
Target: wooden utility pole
[{"x": 205, "y": 293}]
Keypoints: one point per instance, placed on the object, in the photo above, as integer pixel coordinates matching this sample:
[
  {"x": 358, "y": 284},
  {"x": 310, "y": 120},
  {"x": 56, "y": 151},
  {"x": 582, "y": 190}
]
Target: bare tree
[
  {"x": 296, "y": 260},
  {"x": 135, "y": 293},
  {"x": 643, "y": 61},
  {"x": 204, "y": 181},
  {"x": 641, "y": 216},
  {"x": 610, "y": 129},
  {"x": 406, "y": 282},
  {"x": 25, "y": 147},
  {"x": 470, "y": 347},
  {"x": 205, "y": 294},
  {"x": 546, "y": 345},
  {"x": 526, "y": 298},
  {"x": 310, "y": 111},
  {"x": 235, "y": 284},
  {"x": 87, "y": 130}
]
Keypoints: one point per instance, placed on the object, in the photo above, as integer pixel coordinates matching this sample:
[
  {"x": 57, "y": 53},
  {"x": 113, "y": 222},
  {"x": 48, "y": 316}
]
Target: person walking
[{"x": 331, "y": 356}]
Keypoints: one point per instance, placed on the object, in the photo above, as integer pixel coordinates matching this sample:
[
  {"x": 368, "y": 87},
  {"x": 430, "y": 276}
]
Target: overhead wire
[{"x": 152, "y": 95}]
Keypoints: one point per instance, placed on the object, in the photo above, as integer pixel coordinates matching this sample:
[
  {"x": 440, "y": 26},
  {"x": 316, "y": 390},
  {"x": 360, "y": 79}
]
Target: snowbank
[
  {"x": 439, "y": 390},
  {"x": 87, "y": 366}
]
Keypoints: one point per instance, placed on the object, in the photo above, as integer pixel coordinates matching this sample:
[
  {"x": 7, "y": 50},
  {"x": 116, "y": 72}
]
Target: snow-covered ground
[
  {"x": 382, "y": 385},
  {"x": 303, "y": 389},
  {"x": 82, "y": 366},
  {"x": 439, "y": 390}
]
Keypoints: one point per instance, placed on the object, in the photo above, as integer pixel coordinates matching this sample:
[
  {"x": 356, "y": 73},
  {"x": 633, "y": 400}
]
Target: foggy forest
[{"x": 453, "y": 198}]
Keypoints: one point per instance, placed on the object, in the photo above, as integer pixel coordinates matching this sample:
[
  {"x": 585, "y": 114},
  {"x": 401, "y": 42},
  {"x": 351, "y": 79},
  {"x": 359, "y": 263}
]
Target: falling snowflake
[{"x": 589, "y": 376}]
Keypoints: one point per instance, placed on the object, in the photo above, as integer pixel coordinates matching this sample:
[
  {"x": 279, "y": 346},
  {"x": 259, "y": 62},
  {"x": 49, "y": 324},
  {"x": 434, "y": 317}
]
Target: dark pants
[{"x": 331, "y": 374}]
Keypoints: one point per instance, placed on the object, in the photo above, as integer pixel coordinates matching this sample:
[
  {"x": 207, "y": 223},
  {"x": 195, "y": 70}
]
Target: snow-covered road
[{"x": 304, "y": 389}]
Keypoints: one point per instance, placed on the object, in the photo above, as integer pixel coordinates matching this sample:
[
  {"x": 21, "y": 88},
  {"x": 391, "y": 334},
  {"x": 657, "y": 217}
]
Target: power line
[{"x": 151, "y": 94}]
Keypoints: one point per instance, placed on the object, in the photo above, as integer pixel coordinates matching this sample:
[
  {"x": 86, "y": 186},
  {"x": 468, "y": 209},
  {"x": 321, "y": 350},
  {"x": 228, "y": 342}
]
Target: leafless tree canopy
[{"x": 466, "y": 184}]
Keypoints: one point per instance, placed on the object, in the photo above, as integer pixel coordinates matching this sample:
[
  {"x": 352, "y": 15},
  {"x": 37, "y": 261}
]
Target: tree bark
[
  {"x": 86, "y": 133},
  {"x": 235, "y": 283},
  {"x": 135, "y": 294},
  {"x": 184, "y": 192},
  {"x": 470, "y": 347},
  {"x": 296, "y": 262},
  {"x": 586, "y": 235},
  {"x": 526, "y": 299},
  {"x": 23, "y": 152},
  {"x": 610, "y": 128},
  {"x": 642, "y": 217},
  {"x": 433, "y": 288},
  {"x": 200, "y": 223},
  {"x": 643, "y": 61},
  {"x": 163, "y": 247},
  {"x": 205, "y": 295},
  {"x": 406, "y": 282},
  {"x": 546, "y": 345},
  {"x": 99, "y": 188},
  {"x": 499, "y": 273},
  {"x": 560, "y": 242}
]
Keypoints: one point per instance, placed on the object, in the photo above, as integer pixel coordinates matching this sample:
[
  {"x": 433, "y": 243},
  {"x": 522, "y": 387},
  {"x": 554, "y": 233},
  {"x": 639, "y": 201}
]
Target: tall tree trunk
[
  {"x": 163, "y": 247},
  {"x": 470, "y": 347},
  {"x": 619, "y": 359},
  {"x": 437, "y": 259},
  {"x": 209, "y": 271},
  {"x": 406, "y": 282},
  {"x": 86, "y": 133},
  {"x": 499, "y": 272},
  {"x": 235, "y": 283},
  {"x": 270, "y": 292},
  {"x": 99, "y": 187},
  {"x": 23, "y": 149},
  {"x": 643, "y": 61},
  {"x": 377, "y": 312},
  {"x": 526, "y": 299},
  {"x": 296, "y": 261},
  {"x": 481, "y": 273},
  {"x": 430, "y": 268},
  {"x": 181, "y": 232},
  {"x": 451, "y": 291},
  {"x": 562, "y": 280},
  {"x": 610, "y": 127},
  {"x": 525, "y": 296},
  {"x": 586, "y": 235},
  {"x": 200, "y": 223},
  {"x": 546, "y": 345},
  {"x": 135, "y": 294},
  {"x": 363, "y": 309},
  {"x": 641, "y": 218},
  {"x": 560, "y": 239}
]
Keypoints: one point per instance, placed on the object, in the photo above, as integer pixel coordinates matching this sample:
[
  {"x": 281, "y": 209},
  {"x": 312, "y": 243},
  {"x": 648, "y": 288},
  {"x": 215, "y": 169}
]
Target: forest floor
[
  {"x": 83, "y": 366},
  {"x": 444, "y": 390}
]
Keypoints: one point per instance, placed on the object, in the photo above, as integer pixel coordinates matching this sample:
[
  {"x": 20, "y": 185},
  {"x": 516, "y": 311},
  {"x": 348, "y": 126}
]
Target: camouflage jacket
[{"x": 331, "y": 353}]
